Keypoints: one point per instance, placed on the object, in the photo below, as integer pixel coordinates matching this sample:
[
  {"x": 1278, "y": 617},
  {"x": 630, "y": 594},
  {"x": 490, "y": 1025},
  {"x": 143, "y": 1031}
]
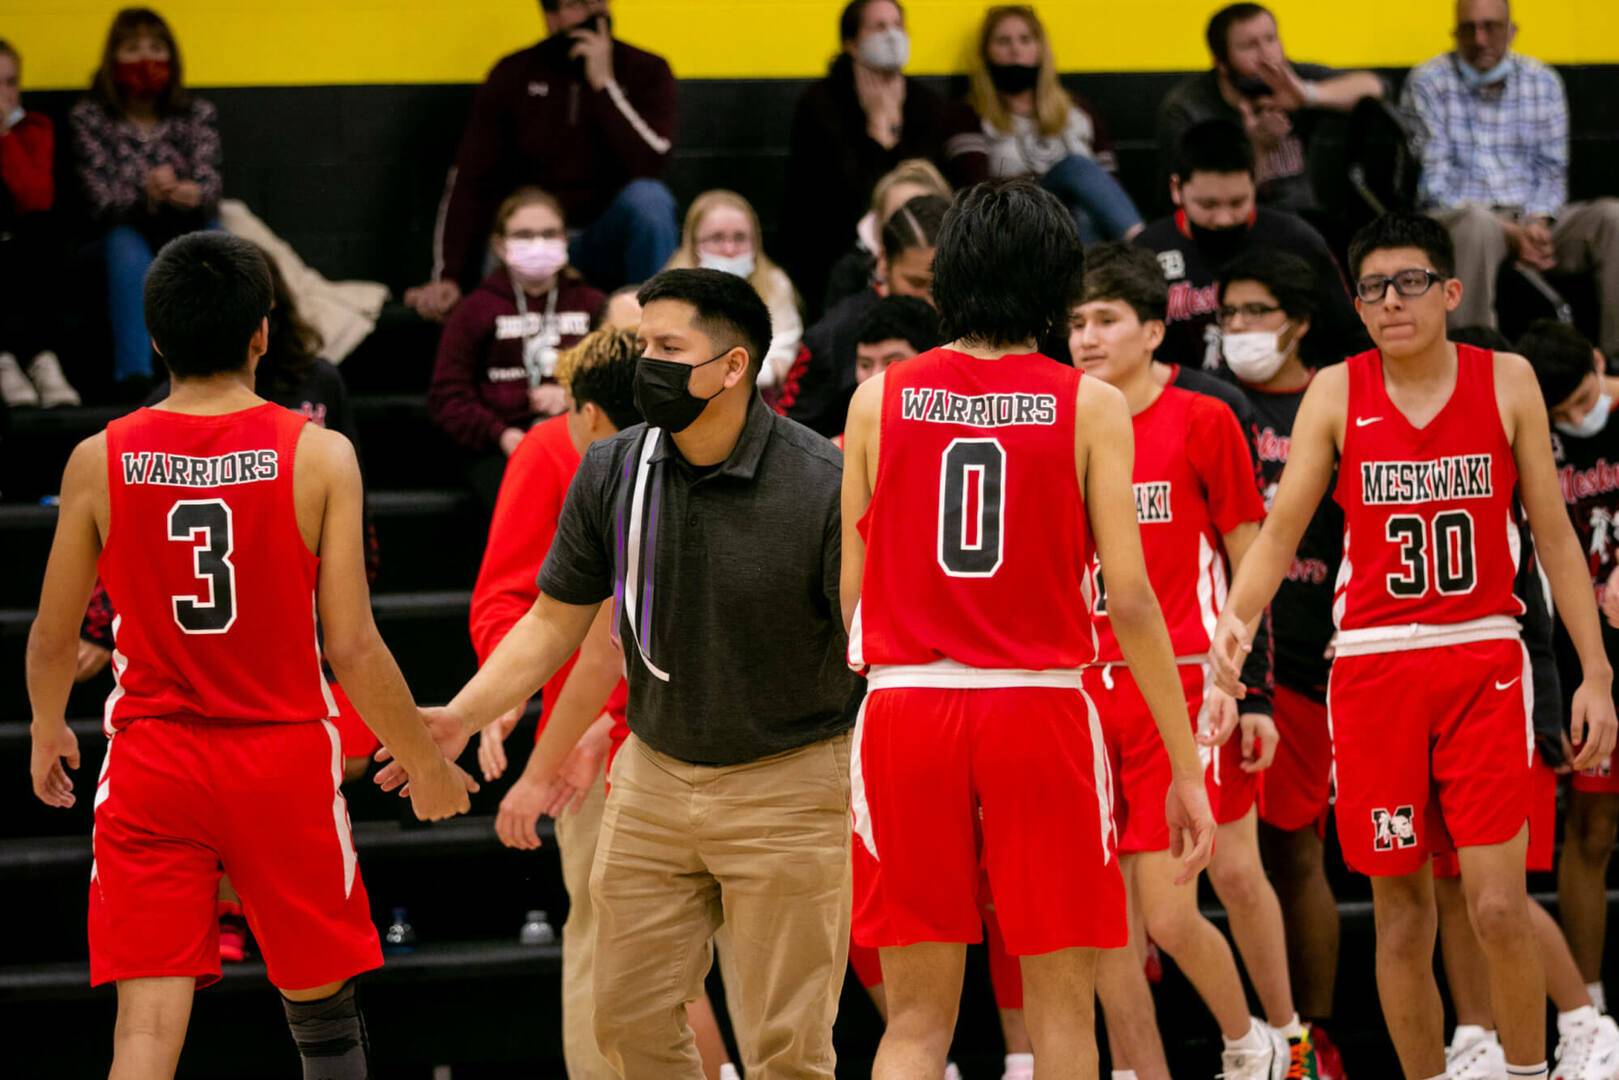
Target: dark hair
[
  {"x": 1122, "y": 271},
  {"x": 206, "y": 294},
  {"x": 7, "y": 49},
  {"x": 915, "y": 224},
  {"x": 849, "y": 21},
  {"x": 600, "y": 370},
  {"x": 1285, "y": 276},
  {"x": 728, "y": 309},
  {"x": 1480, "y": 337},
  {"x": 294, "y": 344},
  {"x": 1218, "y": 32},
  {"x": 1403, "y": 229},
  {"x": 133, "y": 22},
  {"x": 903, "y": 318},
  {"x": 1560, "y": 355},
  {"x": 1214, "y": 146},
  {"x": 1008, "y": 264}
]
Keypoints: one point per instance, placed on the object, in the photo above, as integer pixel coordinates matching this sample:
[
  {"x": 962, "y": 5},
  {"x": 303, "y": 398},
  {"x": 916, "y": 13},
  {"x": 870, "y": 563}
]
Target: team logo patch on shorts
[{"x": 1392, "y": 830}]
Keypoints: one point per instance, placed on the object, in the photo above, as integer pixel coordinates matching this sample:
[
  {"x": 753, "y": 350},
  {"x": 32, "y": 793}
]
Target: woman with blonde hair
[
  {"x": 1017, "y": 120},
  {"x": 722, "y": 233}
]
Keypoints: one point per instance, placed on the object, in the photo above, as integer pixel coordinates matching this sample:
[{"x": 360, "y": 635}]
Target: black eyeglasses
[
  {"x": 1250, "y": 310},
  {"x": 1408, "y": 283}
]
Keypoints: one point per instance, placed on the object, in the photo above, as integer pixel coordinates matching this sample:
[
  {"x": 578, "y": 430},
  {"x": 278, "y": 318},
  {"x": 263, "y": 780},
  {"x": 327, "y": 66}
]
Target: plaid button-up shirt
[{"x": 1504, "y": 145}]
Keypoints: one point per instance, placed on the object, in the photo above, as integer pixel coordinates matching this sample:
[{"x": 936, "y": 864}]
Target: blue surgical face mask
[
  {"x": 1474, "y": 79},
  {"x": 1592, "y": 422}
]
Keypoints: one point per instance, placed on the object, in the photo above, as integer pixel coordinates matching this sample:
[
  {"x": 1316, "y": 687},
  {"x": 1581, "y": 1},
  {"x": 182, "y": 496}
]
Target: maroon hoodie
[
  {"x": 536, "y": 120},
  {"x": 480, "y": 382}
]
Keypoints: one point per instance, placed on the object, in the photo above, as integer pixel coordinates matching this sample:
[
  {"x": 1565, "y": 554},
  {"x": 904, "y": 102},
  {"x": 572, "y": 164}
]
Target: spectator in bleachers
[
  {"x": 1491, "y": 130},
  {"x": 860, "y": 121},
  {"x": 856, "y": 269},
  {"x": 1217, "y": 219},
  {"x": 29, "y": 371},
  {"x": 148, "y": 155},
  {"x": 496, "y": 365},
  {"x": 1019, "y": 121},
  {"x": 816, "y": 392},
  {"x": 622, "y": 310},
  {"x": 1275, "y": 100},
  {"x": 722, "y": 233},
  {"x": 589, "y": 119}
]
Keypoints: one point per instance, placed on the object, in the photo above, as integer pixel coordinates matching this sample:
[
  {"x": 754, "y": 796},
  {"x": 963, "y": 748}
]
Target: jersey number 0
[
  {"x": 972, "y": 498},
  {"x": 205, "y": 524}
]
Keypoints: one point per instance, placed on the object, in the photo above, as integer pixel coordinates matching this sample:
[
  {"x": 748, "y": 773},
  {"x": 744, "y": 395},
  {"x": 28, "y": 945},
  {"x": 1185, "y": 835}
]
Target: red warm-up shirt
[
  {"x": 525, "y": 521},
  {"x": 26, "y": 155}
]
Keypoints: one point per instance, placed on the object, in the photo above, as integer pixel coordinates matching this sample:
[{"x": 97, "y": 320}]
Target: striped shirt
[{"x": 1502, "y": 146}]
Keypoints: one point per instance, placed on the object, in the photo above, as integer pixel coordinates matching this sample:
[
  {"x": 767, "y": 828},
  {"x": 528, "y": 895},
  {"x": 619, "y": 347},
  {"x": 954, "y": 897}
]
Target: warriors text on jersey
[
  {"x": 212, "y": 581},
  {"x": 978, "y": 545},
  {"x": 1429, "y": 529}
]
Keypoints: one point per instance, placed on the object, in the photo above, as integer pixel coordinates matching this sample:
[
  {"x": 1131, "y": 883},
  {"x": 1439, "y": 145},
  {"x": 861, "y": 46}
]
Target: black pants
[{"x": 31, "y": 282}]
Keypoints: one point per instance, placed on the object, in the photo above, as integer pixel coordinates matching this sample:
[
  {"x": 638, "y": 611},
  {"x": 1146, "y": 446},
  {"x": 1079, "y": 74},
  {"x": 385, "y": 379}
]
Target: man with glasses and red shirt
[{"x": 1431, "y": 739}]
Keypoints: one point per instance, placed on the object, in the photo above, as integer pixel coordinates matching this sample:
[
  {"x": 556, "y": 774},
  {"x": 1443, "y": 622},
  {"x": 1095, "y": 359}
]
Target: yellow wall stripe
[{"x": 319, "y": 42}]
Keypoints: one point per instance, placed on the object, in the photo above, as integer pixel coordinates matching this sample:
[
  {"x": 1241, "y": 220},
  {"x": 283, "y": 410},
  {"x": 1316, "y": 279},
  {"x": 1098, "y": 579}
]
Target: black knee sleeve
[{"x": 330, "y": 1034}]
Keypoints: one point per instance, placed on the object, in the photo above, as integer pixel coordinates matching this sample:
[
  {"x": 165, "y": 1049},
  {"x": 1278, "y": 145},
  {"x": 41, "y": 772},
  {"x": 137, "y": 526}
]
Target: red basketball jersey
[
  {"x": 213, "y": 584},
  {"x": 1430, "y": 534},
  {"x": 977, "y": 545},
  {"x": 1194, "y": 481}
]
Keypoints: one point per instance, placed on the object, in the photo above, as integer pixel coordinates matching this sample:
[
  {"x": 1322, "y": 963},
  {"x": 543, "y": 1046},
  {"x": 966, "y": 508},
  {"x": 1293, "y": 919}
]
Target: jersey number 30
[
  {"x": 972, "y": 497},
  {"x": 1449, "y": 540},
  {"x": 205, "y": 524}
]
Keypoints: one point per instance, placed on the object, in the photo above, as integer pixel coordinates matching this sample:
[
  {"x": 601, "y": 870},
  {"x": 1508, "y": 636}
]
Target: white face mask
[
  {"x": 885, "y": 50},
  {"x": 14, "y": 117},
  {"x": 537, "y": 259},
  {"x": 1254, "y": 356},
  {"x": 740, "y": 265},
  {"x": 1592, "y": 422}
]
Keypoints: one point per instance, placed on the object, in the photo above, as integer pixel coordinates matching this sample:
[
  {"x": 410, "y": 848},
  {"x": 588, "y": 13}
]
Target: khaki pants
[
  {"x": 576, "y": 844},
  {"x": 1585, "y": 240},
  {"x": 761, "y": 847}
]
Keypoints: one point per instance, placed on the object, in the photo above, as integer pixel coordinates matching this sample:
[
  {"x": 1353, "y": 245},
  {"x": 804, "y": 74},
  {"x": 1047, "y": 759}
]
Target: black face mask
[
  {"x": 1218, "y": 246},
  {"x": 562, "y": 42},
  {"x": 1014, "y": 78},
  {"x": 1251, "y": 86},
  {"x": 663, "y": 392}
]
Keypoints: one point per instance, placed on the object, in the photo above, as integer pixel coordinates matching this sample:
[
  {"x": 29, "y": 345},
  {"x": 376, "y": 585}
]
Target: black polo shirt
[{"x": 726, "y": 583}]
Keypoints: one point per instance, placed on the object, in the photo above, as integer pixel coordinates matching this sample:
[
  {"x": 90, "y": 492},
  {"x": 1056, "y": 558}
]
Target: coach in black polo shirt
[{"x": 714, "y": 529}]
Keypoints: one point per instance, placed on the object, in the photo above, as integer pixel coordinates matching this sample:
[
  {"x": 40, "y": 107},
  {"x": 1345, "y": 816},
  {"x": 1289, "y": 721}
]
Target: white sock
[
  {"x": 1527, "y": 1072},
  {"x": 1019, "y": 1067},
  {"x": 1472, "y": 1033},
  {"x": 728, "y": 1072},
  {"x": 1598, "y": 998},
  {"x": 1124, "y": 1074},
  {"x": 1291, "y": 1030},
  {"x": 1254, "y": 1039}
]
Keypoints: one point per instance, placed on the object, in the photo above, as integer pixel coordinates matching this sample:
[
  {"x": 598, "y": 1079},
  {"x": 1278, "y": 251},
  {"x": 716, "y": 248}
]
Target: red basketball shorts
[
  {"x": 1298, "y": 785},
  {"x": 181, "y": 802},
  {"x": 1542, "y": 851},
  {"x": 1138, "y": 759},
  {"x": 984, "y": 770},
  {"x": 1431, "y": 750}
]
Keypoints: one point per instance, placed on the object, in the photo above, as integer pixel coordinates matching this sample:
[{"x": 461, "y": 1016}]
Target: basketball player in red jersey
[
  {"x": 220, "y": 523},
  {"x": 1432, "y": 746},
  {"x": 1198, "y": 504},
  {"x": 977, "y": 475}
]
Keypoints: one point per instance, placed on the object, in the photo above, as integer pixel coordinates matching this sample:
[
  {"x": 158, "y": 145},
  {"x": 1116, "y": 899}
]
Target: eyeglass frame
[{"x": 1430, "y": 280}]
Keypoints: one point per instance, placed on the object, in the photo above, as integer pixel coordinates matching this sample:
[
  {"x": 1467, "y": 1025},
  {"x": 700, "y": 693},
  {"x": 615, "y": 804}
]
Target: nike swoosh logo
[
  {"x": 1366, "y": 421},
  {"x": 1506, "y": 685}
]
